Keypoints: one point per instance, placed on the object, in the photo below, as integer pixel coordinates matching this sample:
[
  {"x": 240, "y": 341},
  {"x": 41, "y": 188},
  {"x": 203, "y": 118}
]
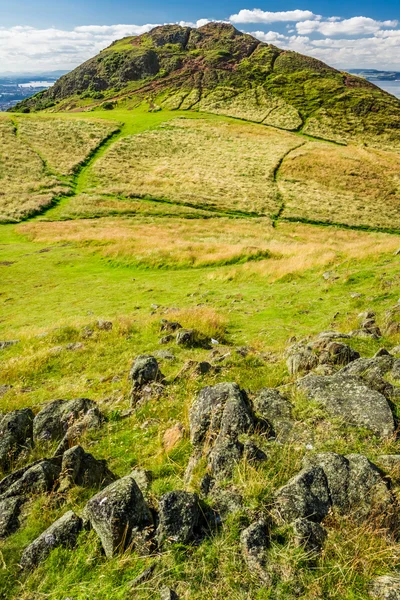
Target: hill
[{"x": 218, "y": 69}]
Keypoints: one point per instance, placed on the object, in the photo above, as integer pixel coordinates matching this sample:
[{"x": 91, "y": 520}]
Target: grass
[
  {"x": 349, "y": 185},
  {"x": 229, "y": 166}
]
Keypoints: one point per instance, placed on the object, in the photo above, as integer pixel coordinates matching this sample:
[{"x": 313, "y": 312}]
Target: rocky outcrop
[
  {"x": 305, "y": 496},
  {"x": 63, "y": 532},
  {"x": 15, "y": 435},
  {"x": 276, "y": 410},
  {"x": 81, "y": 468},
  {"x": 180, "y": 518},
  {"x": 349, "y": 398},
  {"x": 66, "y": 419},
  {"x": 254, "y": 541},
  {"x": 38, "y": 478},
  {"x": 120, "y": 517},
  {"x": 325, "y": 351}
]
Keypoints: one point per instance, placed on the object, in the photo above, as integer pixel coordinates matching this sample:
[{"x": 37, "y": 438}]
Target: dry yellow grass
[
  {"x": 175, "y": 242},
  {"x": 25, "y": 185},
  {"x": 225, "y": 165},
  {"x": 64, "y": 143},
  {"x": 350, "y": 185}
]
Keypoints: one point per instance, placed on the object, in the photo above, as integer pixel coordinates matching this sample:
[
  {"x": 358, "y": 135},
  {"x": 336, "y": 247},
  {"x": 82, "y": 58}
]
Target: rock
[
  {"x": 36, "y": 479},
  {"x": 64, "y": 532},
  {"x": 170, "y": 325},
  {"x": 15, "y": 435},
  {"x": 224, "y": 456},
  {"x": 167, "y": 594},
  {"x": 301, "y": 359},
  {"x": 332, "y": 335},
  {"x": 185, "y": 337},
  {"x": 305, "y": 496},
  {"x": 337, "y": 470},
  {"x": 56, "y": 418},
  {"x": 253, "y": 453},
  {"x": 143, "y": 479},
  {"x": 381, "y": 352},
  {"x": 349, "y": 398},
  {"x": 396, "y": 350},
  {"x": 385, "y": 587},
  {"x": 144, "y": 370},
  {"x": 166, "y": 339},
  {"x": 173, "y": 436},
  {"x": 4, "y": 389},
  {"x": 10, "y": 509},
  {"x": 12, "y": 477},
  {"x": 8, "y": 344},
  {"x": 310, "y": 535},
  {"x": 330, "y": 276},
  {"x": 254, "y": 542},
  {"x": 219, "y": 410},
  {"x": 165, "y": 355},
  {"x": 337, "y": 353},
  {"x": 225, "y": 501},
  {"x": 276, "y": 410},
  {"x": 75, "y": 346},
  {"x": 179, "y": 518},
  {"x": 355, "y": 295},
  {"x": 392, "y": 320},
  {"x": 390, "y": 462},
  {"x": 120, "y": 516},
  {"x": 104, "y": 325},
  {"x": 81, "y": 468}
]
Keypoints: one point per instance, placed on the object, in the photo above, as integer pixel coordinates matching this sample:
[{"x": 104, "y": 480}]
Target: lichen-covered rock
[
  {"x": 41, "y": 477},
  {"x": 144, "y": 370},
  {"x": 64, "y": 532},
  {"x": 336, "y": 468},
  {"x": 167, "y": 594},
  {"x": 310, "y": 535},
  {"x": 185, "y": 337},
  {"x": 169, "y": 325},
  {"x": 385, "y": 587},
  {"x": 120, "y": 516},
  {"x": 301, "y": 359},
  {"x": 104, "y": 325},
  {"x": 276, "y": 410},
  {"x": 224, "y": 457},
  {"x": 10, "y": 509},
  {"x": 220, "y": 410},
  {"x": 15, "y": 435},
  {"x": 180, "y": 518},
  {"x": 56, "y": 418},
  {"x": 337, "y": 353},
  {"x": 254, "y": 542},
  {"x": 143, "y": 479},
  {"x": 348, "y": 397},
  {"x": 305, "y": 496},
  {"x": 81, "y": 468},
  {"x": 392, "y": 320}
]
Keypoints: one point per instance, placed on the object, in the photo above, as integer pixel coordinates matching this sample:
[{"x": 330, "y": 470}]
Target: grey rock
[
  {"x": 143, "y": 479},
  {"x": 104, "y": 325},
  {"x": 226, "y": 501},
  {"x": 220, "y": 410},
  {"x": 224, "y": 457},
  {"x": 338, "y": 353},
  {"x": 389, "y": 462},
  {"x": 349, "y": 398},
  {"x": 166, "y": 339},
  {"x": 170, "y": 325},
  {"x": 368, "y": 492},
  {"x": 12, "y": 477},
  {"x": 253, "y": 453},
  {"x": 301, "y": 360},
  {"x": 180, "y": 518},
  {"x": 56, "y": 418},
  {"x": 81, "y": 468},
  {"x": 64, "y": 532},
  {"x": 167, "y": 594},
  {"x": 254, "y": 543},
  {"x": 395, "y": 350},
  {"x": 10, "y": 509},
  {"x": 165, "y": 355},
  {"x": 37, "y": 479},
  {"x": 310, "y": 535},
  {"x": 381, "y": 352},
  {"x": 120, "y": 516},
  {"x": 379, "y": 365},
  {"x": 306, "y": 496},
  {"x": 185, "y": 337},
  {"x": 8, "y": 344},
  {"x": 276, "y": 410},
  {"x": 385, "y": 587},
  {"x": 392, "y": 320},
  {"x": 145, "y": 370},
  {"x": 337, "y": 471},
  {"x": 15, "y": 435}
]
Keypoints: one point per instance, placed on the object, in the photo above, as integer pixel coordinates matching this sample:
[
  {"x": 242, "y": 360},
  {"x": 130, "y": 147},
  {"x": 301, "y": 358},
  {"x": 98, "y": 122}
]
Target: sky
[{"x": 43, "y": 35}]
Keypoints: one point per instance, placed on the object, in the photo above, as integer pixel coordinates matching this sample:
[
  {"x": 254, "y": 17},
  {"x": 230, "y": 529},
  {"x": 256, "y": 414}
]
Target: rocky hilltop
[{"x": 218, "y": 69}]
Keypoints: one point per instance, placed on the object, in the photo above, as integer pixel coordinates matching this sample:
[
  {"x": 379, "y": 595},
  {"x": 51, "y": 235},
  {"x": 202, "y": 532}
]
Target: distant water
[{"x": 393, "y": 87}]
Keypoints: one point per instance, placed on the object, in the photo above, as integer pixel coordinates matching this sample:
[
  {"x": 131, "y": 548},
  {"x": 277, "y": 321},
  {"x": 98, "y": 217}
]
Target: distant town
[{"x": 15, "y": 87}]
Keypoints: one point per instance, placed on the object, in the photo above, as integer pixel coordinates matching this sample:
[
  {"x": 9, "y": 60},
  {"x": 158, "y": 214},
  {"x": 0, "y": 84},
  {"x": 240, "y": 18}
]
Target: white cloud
[
  {"x": 260, "y": 16},
  {"x": 353, "y": 26}
]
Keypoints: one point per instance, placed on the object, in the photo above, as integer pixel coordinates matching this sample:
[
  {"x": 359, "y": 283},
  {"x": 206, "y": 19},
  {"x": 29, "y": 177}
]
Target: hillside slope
[{"x": 218, "y": 69}]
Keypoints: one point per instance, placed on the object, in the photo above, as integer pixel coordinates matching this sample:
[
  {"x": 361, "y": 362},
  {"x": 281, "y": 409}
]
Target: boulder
[
  {"x": 169, "y": 325},
  {"x": 301, "y": 359},
  {"x": 254, "y": 542},
  {"x": 10, "y": 509},
  {"x": 15, "y": 435},
  {"x": 349, "y": 398},
  {"x": 276, "y": 410},
  {"x": 180, "y": 518},
  {"x": 120, "y": 516},
  {"x": 224, "y": 456},
  {"x": 64, "y": 532},
  {"x": 337, "y": 469},
  {"x": 185, "y": 337},
  {"x": 81, "y": 468},
  {"x": 144, "y": 370},
  {"x": 225, "y": 501},
  {"x": 305, "y": 496},
  {"x": 310, "y": 535},
  {"x": 337, "y": 353},
  {"x": 56, "y": 418},
  {"x": 143, "y": 479},
  {"x": 39, "y": 478},
  {"x": 385, "y": 587},
  {"x": 104, "y": 325}
]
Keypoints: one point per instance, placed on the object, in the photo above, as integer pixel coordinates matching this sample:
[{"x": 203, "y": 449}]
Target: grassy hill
[
  {"x": 258, "y": 216},
  {"x": 218, "y": 69}
]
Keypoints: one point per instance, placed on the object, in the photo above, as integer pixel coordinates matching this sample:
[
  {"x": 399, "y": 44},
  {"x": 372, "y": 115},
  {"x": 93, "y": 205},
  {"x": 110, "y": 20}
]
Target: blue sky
[{"x": 38, "y": 35}]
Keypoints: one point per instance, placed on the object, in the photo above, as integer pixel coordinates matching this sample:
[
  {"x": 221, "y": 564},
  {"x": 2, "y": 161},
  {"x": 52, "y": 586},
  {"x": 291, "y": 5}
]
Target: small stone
[
  {"x": 167, "y": 594},
  {"x": 63, "y": 532},
  {"x": 10, "y": 509},
  {"x": 166, "y": 339},
  {"x": 254, "y": 542},
  {"x": 310, "y": 535},
  {"x": 144, "y": 370},
  {"x": 75, "y": 346},
  {"x": 165, "y": 355},
  {"x": 385, "y": 587},
  {"x": 179, "y": 518},
  {"x": 8, "y": 344},
  {"x": 185, "y": 337},
  {"x": 170, "y": 325},
  {"x": 104, "y": 325},
  {"x": 173, "y": 436}
]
